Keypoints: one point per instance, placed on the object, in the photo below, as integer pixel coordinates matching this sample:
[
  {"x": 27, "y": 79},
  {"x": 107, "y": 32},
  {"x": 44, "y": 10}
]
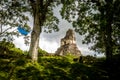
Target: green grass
[
  {"x": 48, "y": 68},
  {"x": 14, "y": 65}
]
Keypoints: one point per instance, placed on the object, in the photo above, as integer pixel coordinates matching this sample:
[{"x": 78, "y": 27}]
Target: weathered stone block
[{"x": 68, "y": 45}]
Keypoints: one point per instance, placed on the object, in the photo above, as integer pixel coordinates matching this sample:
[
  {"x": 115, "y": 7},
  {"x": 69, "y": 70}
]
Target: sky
[{"x": 51, "y": 41}]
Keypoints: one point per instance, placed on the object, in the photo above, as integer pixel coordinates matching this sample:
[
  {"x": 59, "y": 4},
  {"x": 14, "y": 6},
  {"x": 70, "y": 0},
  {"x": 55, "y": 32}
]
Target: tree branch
[
  {"x": 32, "y": 3},
  {"x": 48, "y": 2}
]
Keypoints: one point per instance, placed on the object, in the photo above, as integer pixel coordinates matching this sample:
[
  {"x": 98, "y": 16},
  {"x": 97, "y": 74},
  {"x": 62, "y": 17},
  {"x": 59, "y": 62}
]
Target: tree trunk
[
  {"x": 33, "y": 52},
  {"x": 39, "y": 11},
  {"x": 108, "y": 29},
  {"x": 35, "y": 35}
]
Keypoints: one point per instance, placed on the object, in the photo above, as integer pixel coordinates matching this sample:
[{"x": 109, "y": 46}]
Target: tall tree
[
  {"x": 13, "y": 13},
  {"x": 43, "y": 16},
  {"x": 95, "y": 20}
]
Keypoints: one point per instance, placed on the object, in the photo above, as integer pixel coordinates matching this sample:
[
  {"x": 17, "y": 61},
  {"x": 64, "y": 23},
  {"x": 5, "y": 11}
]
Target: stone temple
[{"x": 68, "y": 45}]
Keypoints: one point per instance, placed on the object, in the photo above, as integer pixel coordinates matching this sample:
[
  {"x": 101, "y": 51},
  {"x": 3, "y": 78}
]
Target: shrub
[{"x": 41, "y": 52}]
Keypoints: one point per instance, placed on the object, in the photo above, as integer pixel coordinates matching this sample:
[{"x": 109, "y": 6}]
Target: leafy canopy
[{"x": 88, "y": 20}]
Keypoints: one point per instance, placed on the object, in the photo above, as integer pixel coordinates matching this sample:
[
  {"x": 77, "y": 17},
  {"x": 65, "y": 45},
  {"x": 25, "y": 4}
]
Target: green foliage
[
  {"x": 19, "y": 67},
  {"x": 41, "y": 52},
  {"x": 85, "y": 19},
  {"x": 89, "y": 59},
  {"x": 86, "y": 72},
  {"x": 12, "y": 14},
  {"x": 96, "y": 21},
  {"x": 27, "y": 27},
  {"x": 70, "y": 57},
  {"x": 51, "y": 23},
  {"x": 22, "y": 74},
  {"x": 9, "y": 49}
]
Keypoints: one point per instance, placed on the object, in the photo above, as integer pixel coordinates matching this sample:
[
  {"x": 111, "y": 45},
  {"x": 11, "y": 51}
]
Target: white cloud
[
  {"x": 19, "y": 42},
  {"x": 52, "y": 45},
  {"x": 50, "y": 42},
  {"x": 49, "y": 46}
]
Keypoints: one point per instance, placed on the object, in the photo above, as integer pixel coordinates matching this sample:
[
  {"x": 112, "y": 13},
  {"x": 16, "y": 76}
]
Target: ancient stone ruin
[{"x": 68, "y": 45}]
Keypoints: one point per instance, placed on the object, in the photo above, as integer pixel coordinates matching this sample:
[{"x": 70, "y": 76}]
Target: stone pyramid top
[{"x": 68, "y": 44}]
